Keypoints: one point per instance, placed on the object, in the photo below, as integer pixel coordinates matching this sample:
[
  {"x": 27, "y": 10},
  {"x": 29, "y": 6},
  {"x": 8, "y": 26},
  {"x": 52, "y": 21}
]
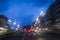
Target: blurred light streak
[
  {"x": 9, "y": 21},
  {"x": 37, "y": 19},
  {"x": 42, "y": 13},
  {"x": 14, "y": 23}
]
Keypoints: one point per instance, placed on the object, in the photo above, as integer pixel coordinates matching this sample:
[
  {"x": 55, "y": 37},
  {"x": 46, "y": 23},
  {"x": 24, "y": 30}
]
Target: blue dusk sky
[{"x": 24, "y": 12}]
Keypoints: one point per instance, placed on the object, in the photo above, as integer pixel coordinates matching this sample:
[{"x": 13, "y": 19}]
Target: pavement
[{"x": 40, "y": 35}]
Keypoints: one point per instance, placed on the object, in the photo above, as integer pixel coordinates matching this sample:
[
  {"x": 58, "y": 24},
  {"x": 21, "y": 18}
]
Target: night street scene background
[{"x": 29, "y": 19}]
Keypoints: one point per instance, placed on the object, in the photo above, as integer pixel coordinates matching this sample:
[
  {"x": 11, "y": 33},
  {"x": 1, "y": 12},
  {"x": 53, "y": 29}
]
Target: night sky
[{"x": 24, "y": 12}]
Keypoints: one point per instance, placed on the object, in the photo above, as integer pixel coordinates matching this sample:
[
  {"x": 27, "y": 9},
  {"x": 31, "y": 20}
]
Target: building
[
  {"x": 4, "y": 26},
  {"x": 52, "y": 17}
]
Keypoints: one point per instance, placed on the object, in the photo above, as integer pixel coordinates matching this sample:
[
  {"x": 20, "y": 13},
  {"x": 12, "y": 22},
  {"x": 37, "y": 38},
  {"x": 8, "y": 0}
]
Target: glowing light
[
  {"x": 32, "y": 29},
  {"x": 1, "y": 28},
  {"x": 9, "y": 21},
  {"x": 18, "y": 25},
  {"x": 36, "y": 30},
  {"x": 16, "y": 28},
  {"x": 37, "y": 27},
  {"x": 42, "y": 13},
  {"x": 14, "y": 23},
  {"x": 37, "y": 19}
]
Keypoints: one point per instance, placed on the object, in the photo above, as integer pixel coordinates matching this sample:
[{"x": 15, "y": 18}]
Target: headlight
[{"x": 36, "y": 30}]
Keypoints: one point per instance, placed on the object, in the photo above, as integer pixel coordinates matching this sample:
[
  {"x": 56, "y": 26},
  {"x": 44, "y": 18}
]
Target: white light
[
  {"x": 18, "y": 25},
  {"x": 42, "y": 13},
  {"x": 37, "y": 19},
  {"x": 16, "y": 28},
  {"x": 37, "y": 27},
  {"x": 1, "y": 28},
  {"x": 9, "y": 21},
  {"x": 14, "y": 23},
  {"x": 36, "y": 30}
]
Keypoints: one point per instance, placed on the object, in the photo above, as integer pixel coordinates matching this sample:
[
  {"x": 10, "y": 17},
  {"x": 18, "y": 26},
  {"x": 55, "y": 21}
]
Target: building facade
[
  {"x": 4, "y": 25},
  {"x": 52, "y": 17}
]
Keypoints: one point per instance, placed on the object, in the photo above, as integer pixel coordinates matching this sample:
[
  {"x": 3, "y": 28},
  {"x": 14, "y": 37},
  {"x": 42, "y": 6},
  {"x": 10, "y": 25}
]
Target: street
[
  {"x": 31, "y": 36},
  {"x": 29, "y": 19}
]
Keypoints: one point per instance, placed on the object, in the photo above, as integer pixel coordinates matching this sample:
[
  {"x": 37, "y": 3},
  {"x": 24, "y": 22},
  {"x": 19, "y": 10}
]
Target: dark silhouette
[
  {"x": 52, "y": 17},
  {"x": 4, "y": 21}
]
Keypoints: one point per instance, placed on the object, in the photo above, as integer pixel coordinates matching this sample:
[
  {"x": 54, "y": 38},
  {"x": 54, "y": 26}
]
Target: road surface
[{"x": 31, "y": 36}]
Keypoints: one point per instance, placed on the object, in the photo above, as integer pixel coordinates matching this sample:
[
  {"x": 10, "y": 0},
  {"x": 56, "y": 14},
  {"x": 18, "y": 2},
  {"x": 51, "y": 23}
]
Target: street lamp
[
  {"x": 37, "y": 19},
  {"x": 42, "y": 13},
  {"x": 18, "y": 25},
  {"x": 9, "y": 21},
  {"x": 14, "y": 23}
]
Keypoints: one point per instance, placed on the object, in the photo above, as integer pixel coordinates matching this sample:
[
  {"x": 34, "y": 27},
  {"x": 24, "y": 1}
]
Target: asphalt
[{"x": 31, "y": 36}]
